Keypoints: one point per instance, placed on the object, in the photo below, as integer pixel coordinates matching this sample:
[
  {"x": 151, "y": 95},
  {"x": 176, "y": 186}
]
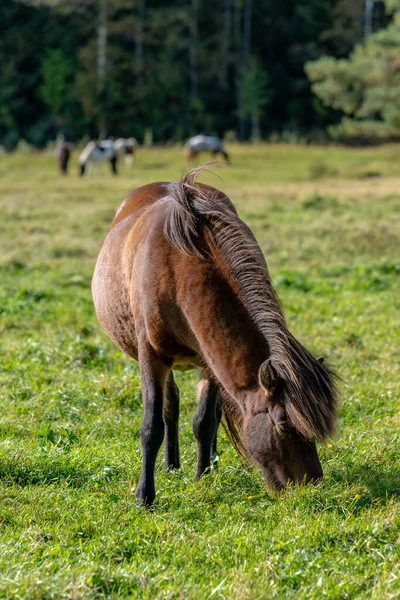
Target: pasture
[{"x": 328, "y": 220}]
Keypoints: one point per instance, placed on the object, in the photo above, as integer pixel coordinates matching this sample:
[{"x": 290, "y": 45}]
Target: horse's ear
[
  {"x": 267, "y": 376},
  {"x": 321, "y": 360}
]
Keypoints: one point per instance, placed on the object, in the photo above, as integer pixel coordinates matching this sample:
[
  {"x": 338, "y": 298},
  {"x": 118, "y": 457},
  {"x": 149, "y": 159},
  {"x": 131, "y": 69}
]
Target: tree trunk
[
  {"x": 255, "y": 126},
  {"x": 193, "y": 48},
  {"x": 139, "y": 37},
  {"x": 238, "y": 45},
  {"x": 225, "y": 45},
  {"x": 248, "y": 9},
  {"x": 368, "y": 17},
  {"x": 102, "y": 62}
]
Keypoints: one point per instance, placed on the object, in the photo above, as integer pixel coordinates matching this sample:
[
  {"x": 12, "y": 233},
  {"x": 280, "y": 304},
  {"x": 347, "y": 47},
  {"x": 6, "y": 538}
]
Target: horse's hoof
[
  {"x": 172, "y": 467},
  {"x": 145, "y": 505},
  {"x": 200, "y": 474},
  {"x": 144, "y": 500}
]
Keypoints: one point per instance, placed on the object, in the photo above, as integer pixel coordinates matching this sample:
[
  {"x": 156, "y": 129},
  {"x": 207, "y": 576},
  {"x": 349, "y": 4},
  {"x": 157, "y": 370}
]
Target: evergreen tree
[
  {"x": 365, "y": 87},
  {"x": 253, "y": 83}
]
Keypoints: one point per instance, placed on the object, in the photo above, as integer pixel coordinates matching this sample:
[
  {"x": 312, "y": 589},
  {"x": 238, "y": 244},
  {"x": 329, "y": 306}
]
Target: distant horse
[
  {"x": 126, "y": 147},
  {"x": 63, "y": 154},
  {"x": 97, "y": 153},
  {"x": 202, "y": 143},
  {"x": 181, "y": 283}
]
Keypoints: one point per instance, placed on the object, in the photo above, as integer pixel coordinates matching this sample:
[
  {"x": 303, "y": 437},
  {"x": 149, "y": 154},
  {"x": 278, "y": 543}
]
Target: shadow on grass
[
  {"x": 52, "y": 471},
  {"x": 383, "y": 484},
  {"x": 222, "y": 490}
]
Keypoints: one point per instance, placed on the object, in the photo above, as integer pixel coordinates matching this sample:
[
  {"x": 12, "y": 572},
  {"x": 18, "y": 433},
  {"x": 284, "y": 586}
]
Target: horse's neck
[{"x": 229, "y": 341}]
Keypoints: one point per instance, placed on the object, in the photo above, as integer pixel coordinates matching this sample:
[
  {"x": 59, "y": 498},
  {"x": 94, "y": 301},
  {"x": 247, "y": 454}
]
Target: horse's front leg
[
  {"x": 113, "y": 163},
  {"x": 171, "y": 419},
  {"x": 205, "y": 423},
  {"x": 153, "y": 374}
]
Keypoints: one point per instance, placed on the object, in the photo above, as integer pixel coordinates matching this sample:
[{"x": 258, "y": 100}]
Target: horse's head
[
  {"x": 278, "y": 435},
  {"x": 81, "y": 168}
]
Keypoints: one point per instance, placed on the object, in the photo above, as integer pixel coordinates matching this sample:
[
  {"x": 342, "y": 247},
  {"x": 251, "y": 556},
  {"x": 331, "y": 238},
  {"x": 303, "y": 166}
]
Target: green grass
[{"x": 71, "y": 403}]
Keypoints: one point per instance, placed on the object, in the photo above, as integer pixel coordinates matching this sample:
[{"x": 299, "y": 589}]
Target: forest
[{"x": 163, "y": 71}]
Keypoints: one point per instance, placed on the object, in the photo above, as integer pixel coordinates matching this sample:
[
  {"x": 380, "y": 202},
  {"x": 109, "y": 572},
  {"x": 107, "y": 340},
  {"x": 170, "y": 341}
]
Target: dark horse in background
[
  {"x": 181, "y": 283},
  {"x": 63, "y": 154}
]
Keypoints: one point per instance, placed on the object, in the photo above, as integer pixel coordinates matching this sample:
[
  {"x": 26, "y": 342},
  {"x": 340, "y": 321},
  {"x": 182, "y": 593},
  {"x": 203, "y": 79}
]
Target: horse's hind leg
[
  {"x": 153, "y": 374},
  {"x": 226, "y": 156},
  {"x": 218, "y": 414},
  {"x": 205, "y": 423},
  {"x": 171, "y": 418}
]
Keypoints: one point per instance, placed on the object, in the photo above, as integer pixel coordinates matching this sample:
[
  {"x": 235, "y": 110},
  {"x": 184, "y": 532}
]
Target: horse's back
[
  {"x": 97, "y": 152},
  {"x": 201, "y": 143}
]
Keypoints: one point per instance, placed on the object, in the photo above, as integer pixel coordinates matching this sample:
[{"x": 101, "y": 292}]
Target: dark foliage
[{"x": 173, "y": 68}]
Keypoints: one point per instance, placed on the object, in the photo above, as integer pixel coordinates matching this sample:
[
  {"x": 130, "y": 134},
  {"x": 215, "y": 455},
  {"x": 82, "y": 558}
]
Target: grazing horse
[
  {"x": 63, "y": 154},
  {"x": 126, "y": 147},
  {"x": 203, "y": 143},
  {"x": 181, "y": 283},
  {"x": 97, "y": 153}
]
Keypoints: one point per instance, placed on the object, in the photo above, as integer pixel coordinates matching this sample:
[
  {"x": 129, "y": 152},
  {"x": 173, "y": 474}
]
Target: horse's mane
[{"x": 308, "y": 385}]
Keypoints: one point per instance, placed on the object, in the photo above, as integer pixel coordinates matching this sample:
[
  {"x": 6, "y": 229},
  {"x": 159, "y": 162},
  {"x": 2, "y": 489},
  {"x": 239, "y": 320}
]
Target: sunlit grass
[{"x": 71, "y": 403}]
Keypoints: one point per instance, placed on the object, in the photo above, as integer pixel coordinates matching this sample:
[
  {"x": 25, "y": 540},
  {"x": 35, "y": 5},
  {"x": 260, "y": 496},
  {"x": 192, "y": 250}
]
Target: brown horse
[
  {"x": 63, "y": 154},
  {"x": 181, "y": 283}
]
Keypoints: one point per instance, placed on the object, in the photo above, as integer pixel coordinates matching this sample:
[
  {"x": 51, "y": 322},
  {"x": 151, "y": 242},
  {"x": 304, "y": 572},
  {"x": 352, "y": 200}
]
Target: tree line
[{"x": 169, "y": 70}]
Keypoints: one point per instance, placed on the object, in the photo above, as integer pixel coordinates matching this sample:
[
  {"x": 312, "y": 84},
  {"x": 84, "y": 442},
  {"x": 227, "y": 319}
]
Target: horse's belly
[
  {"x": 187, "y": 365},
  {"x": 110, "y": 296}
]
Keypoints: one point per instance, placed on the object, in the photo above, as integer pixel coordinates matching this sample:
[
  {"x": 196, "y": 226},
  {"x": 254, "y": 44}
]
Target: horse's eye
[
  {"x": 283, "y": 427},
  {"x": 279, "y": 419}
]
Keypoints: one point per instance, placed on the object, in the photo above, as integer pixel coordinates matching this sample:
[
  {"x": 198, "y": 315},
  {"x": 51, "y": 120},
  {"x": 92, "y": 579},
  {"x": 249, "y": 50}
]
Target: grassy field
[{"x": 328, "y": 220}]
